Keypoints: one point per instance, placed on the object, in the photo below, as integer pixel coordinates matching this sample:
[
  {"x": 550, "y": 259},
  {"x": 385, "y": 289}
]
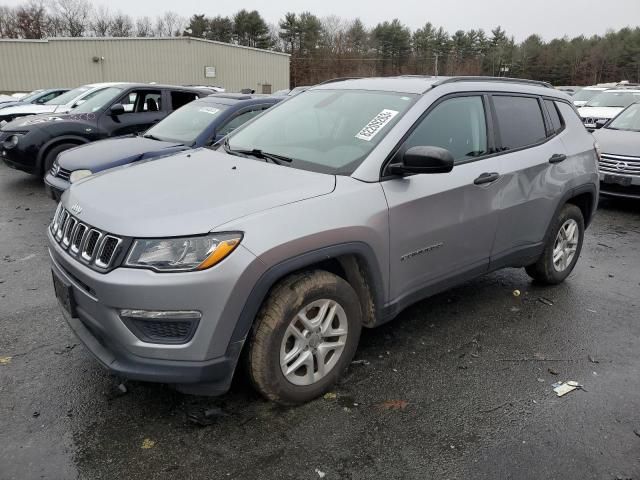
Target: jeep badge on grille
[{"x": 77, "y": 209}]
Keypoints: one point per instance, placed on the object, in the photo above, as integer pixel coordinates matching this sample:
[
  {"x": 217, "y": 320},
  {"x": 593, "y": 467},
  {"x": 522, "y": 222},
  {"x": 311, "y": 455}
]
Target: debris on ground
[
  {"x": 360, "y": 362},
  {"x": 562, "y": 388},
  {"x": 330, "y": 396},
  {"x": 207, "y": 417},
  {"x": 637, "y": 432},
  {"x": 541, "y": 380},
  {"x": 36, "y": 414},
  {"x": 592, "y": 360},
  {"x": 393, "y": 405},
  {"x": 552, "y": 371},
  {"x": 591, "y": 311},
  {"x": 66, "y": 349},
  {"x": 515, "y": 309},
  {"x": 516, "y": 293},
  {"x": 147, "y": 443},
  {"x": 5, "y": 360},
  {"x": 546, "y": 301},
  {"x": 320, "y": 473}
]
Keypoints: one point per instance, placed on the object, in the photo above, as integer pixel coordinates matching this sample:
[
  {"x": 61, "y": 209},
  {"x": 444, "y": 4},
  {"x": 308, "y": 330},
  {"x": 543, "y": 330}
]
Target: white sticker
[
  {"x": 374, "y": 126},
  {"x": 209, "y": 110}
]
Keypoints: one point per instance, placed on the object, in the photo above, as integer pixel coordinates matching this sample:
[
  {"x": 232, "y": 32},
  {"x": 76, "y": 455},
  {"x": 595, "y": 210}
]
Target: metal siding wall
[{"x": 27, "y": 65}]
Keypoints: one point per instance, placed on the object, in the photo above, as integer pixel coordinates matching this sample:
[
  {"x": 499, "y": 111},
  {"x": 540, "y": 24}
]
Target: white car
[
  {"x": 581, "y": 97},
  {"x": 606, "y": 105},
  {"x": 62, "y": 104}
]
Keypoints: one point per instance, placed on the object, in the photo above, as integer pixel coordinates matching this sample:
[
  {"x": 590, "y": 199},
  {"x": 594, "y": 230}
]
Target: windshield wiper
[
  {"x": 152, "y": 137},
  {"x": 256, "y": 152}
]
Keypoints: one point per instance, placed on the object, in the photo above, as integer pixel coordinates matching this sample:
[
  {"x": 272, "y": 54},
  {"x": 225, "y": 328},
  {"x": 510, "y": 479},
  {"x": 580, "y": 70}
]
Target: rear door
[
  {"x": 442, "y": 226},
  {"x": 529, "y": 131},
  {"x": 142, "y": 108}
]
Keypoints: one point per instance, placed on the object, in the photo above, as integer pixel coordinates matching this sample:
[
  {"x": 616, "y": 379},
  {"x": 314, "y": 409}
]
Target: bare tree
[
  {"x": 169, "y": 24},
  {"x": 102, "y": 21},
  {"x": 121, "y": 25},
  {"x": 8, "y": 22},
  {"x": 74, "y": 15},
  {"x": 144, "y": 27}
]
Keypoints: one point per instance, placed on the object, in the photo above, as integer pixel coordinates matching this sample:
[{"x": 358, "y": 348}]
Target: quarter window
[
  {"x": 457, "y": 124},
  {"x": 556, "y": 119},
  {"x": 520, "y": 121}
]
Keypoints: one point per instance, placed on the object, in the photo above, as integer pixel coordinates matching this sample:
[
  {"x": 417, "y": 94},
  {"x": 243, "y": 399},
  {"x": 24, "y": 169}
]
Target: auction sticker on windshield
[
  {"x": 209, "y": 110},
  {"x": 374, "y": 126}
]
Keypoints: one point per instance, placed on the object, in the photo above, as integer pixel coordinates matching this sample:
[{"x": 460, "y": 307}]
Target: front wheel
[
  {"x": 305, "y": 336},
  {"x": 562, "y": 249}
]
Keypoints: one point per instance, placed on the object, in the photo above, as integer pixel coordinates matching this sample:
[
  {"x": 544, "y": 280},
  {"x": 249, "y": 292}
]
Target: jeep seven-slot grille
[{"x": 89, "y": 245}]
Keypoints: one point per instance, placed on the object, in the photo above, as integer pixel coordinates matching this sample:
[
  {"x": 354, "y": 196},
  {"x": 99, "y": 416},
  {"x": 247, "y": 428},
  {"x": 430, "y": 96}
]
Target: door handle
[
  {"x": 557, "y": 158},
  {"x": 487, "y": 178}
]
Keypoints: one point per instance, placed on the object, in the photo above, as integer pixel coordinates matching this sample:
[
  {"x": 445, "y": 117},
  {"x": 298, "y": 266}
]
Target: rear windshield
[
  {"x": 614, "y": 99},
  {"x": 327, "y": 131},
  {"x": 68, "y": 96}
]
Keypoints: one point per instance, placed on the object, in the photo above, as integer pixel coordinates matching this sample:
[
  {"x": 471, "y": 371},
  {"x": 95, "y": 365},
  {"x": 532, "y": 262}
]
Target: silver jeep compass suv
[{"x": 330, "y": 212}]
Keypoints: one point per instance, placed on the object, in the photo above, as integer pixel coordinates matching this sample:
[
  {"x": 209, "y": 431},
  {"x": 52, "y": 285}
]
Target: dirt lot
[{"x": 459, "y": 386}]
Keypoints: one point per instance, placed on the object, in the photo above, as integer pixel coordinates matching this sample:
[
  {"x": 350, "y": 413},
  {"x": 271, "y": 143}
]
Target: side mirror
[
  {"x": 601, "y": 122},
  {"x": 116, "y": 109},
  {"x": 423, "y": 160}
]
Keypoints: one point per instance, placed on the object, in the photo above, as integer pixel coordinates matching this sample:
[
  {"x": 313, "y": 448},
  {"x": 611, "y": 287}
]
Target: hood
[
  {"x": 618, "y": 142},
  {"x": 189, "y": 193},
  {"x": 45, "y": 120},
  {"x": 599, "y": 112},
  {"x": 27, "y": 109},
  {"x": 98, "y": 156}
]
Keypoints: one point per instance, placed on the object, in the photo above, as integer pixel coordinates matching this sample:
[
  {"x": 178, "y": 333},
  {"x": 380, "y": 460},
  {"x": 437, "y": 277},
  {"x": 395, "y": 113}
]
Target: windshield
[
  {"x": 614, "y": 99},
  {"x": 585, "y": 95},
  {"x": 32, "y": 96},
  {"x": 327, "y": 131},
  {"x": 187, "y": 123},
  {"x": 98, "y": 100},
  {"x": 68, "y": 96},
  {"x": 627, "y": 120}
]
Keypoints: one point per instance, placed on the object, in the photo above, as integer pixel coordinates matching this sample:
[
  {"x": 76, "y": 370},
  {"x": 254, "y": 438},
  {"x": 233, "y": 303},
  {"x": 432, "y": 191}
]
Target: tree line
[{"x": 329, "y": 47}]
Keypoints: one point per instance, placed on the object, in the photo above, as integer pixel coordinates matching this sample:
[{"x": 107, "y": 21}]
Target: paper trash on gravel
[{"x": 562, "y": 388}]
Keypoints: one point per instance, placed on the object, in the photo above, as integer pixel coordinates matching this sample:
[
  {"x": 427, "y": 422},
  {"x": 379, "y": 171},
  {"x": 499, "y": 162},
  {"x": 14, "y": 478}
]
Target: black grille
[
  {"x": 107, "y": 251},
  {"x": 62, "y": 173},
  {"x": 173, "y": 331},
  {"x": 92, "y": 242},
  {"x": 77, "y": 237}
]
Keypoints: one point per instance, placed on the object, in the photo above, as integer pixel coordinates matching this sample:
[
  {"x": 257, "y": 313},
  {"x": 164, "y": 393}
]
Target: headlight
[
  {"x": 182, "y": 254},
  {"x": 11, "y": 142},
  {"x": 79, "y": 175}
]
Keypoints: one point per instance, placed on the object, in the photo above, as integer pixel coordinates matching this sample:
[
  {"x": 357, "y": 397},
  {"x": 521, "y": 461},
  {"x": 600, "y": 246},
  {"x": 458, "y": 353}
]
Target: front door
[
  {"x": 442, "y": 226},
  {"x": 142, "y": 109}
]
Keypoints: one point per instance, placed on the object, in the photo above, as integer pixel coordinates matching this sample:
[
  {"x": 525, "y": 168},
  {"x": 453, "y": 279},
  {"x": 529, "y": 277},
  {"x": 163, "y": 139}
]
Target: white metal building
[{"x": 68, "y": 62}]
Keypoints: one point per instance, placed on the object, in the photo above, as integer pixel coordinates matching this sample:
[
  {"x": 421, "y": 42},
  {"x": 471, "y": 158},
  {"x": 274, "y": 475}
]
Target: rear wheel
[
  {"x": 52, "y": 154},
  {"x": 305, "y": 336},
  {"x": 562, "y": 249}
]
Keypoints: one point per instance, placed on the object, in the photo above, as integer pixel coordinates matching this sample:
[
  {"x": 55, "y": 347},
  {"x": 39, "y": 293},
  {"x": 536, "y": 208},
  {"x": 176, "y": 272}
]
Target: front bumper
[
  {"x": 611, "y": 189},
  {"x": 203, "y": 365},
  {"x": 55, "y": 186}
]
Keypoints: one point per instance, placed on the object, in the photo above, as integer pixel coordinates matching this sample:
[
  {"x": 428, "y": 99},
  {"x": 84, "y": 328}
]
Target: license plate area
[
  {"x": 618, "y": 180},
  {"x": 64, "y": 294}
]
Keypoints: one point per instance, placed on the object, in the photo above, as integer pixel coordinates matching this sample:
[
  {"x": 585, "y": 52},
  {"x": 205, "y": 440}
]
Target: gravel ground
[{"x": 457, "y": 387}]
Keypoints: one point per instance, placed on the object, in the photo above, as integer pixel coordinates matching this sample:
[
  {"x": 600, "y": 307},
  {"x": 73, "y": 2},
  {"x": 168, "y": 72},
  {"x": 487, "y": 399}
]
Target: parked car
[
  {"x": 331, "y": 211},
  {"x": 619, "y": 142},
  {"x": 606, "y": 105},
  {"x": 569, "y": 89},
  {"x": 32, "y": 144},
  {"x": 37, "y": 97},
  {"x": 197, "y": 124},
  {"x": 581, "y": 97},
  {"x": 62, "y": 104}
]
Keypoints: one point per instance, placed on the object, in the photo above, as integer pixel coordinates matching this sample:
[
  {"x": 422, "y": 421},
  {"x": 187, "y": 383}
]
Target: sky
[{"x": 548, "y": 18}]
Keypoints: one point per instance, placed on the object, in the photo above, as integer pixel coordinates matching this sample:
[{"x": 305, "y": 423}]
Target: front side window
[
  {"x": 627, "y": 120},
  {"x": 235, "y": 122},
  {"x": 327, "y": 131},
  {"x": 187, "y": 123},
  {"x": 457, "y": 124},
  {"x": 519, "y": 120}
]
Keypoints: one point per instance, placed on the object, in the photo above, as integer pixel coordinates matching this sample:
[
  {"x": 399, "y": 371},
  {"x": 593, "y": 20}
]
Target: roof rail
[
  {"x": 338, "y": 79},
  {"x": 493, "y": 79}
]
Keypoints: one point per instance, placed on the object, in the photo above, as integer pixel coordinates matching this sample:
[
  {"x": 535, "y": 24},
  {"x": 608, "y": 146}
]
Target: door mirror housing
[
  {"x": 116, "y": 109},
  {"x": 419, "y": 160}
]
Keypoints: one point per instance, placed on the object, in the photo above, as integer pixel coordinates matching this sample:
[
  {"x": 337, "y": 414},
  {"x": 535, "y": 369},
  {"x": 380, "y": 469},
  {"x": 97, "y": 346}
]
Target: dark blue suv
[{"x": 200, "y": 123}]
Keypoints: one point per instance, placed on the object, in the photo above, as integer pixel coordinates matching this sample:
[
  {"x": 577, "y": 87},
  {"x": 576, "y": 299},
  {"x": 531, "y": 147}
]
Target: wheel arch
[
  {"x": 355, "y": 262},
  {"x": 54, "y": 142}
]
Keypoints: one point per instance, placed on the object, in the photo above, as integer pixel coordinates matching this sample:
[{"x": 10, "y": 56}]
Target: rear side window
[
  {"x": 520, "y": 121},
  {"x": 178, "y": 99},
  {"x": 556, "y": 120}
]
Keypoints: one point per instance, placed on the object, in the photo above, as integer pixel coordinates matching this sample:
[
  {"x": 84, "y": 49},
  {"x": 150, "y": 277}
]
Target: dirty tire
[
  {"x": 282, "y": 305},
  {"x": 544, "y": 270},
  {"x": 53, "y": 154}
]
